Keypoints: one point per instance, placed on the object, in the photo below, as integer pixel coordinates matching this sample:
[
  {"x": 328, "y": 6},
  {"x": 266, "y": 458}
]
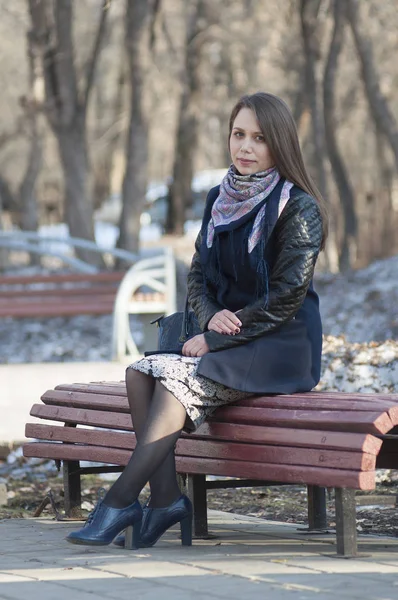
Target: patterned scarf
[{"x": 239, "y": 195}]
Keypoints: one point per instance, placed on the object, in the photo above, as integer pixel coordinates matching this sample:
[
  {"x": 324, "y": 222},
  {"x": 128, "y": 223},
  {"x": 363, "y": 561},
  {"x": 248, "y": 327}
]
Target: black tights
[{"x": 158, "y": 418}]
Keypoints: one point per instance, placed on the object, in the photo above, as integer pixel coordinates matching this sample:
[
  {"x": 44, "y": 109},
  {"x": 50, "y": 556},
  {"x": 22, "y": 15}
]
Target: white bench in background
[{"x": 148, "y": 289}]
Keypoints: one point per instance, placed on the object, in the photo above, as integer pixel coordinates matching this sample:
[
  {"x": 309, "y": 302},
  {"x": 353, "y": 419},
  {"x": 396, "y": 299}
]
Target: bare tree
[
  {"x": 309, "y": 10},
  {"x": 29, "y": 218},
  {"x": 378, "y": 104},
  {"x": 140, "y": 17},
  {"x": 108, "y": 137},
  {"x": 66, "y": 103},
  {"x": 180, "y": 192},
  {"x": 347, "y": 250}
]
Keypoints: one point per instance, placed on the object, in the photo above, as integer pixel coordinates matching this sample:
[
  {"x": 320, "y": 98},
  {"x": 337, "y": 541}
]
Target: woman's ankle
[{"x": 164, "y": 499}]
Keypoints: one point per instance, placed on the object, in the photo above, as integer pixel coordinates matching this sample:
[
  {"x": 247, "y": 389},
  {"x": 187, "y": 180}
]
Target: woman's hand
[
  {"x": 225, "y": 322},
  {"x": 196, "y": 346}
]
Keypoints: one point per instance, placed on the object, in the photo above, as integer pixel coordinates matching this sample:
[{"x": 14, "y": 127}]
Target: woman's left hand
[{"x": 196, "y": 346}]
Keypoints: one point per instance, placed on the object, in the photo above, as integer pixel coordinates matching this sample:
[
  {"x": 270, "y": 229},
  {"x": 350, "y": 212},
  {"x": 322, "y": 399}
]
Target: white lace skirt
[{"x": 199, "y": 395}]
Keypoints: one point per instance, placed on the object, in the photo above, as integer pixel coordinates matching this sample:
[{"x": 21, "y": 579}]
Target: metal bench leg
[
  {"x": 197, "y": 494},
  {"x": 346, "y": 530},
  {"x": 317, "y": 520},
  {"x": 72, "y": 488}
]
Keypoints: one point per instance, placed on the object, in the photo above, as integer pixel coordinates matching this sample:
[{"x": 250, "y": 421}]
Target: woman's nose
[{"x": 246, "y": 146}]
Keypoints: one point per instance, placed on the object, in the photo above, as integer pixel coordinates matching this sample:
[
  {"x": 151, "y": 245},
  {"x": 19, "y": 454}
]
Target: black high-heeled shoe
[
  {"x": 104, "y": 523},
  {"x": 156, "y": 521}
]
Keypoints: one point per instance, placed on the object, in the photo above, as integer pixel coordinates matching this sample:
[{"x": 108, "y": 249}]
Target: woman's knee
[{"x": 136, "y": 380}]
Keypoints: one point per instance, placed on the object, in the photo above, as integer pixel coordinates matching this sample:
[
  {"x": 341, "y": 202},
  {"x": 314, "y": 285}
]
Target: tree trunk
[
  {"x": 347, "y": 251},
  {"x": 78, "y": 199},
  {"x": 309, "y": 15},
  {"x": 27, "y": 191},
  {"x": 139, "y": 16},
  {"x": 103, "y": 167},
  {"x": 65, "y": 104},
  {"x": 378, "y": 104},
  {"x": 180, "y": 191}
]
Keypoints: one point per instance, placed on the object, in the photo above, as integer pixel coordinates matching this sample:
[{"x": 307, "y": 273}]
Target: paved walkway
[
  {"x": 23, "y": 384},
  {"x": 250, "y": 559}
]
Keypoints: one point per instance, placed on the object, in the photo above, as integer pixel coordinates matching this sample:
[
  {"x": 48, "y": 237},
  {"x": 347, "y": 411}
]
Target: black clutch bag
[{"x": 175, "y": 330}]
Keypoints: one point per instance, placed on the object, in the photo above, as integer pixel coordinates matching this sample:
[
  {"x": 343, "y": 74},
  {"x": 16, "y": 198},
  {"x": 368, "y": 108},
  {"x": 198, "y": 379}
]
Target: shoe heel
[
  {"x": 132, "y": 536},
  {"x": 186, "y": 531}
]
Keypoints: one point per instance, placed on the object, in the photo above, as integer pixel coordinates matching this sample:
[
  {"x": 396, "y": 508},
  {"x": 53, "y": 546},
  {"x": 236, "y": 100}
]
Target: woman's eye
[
  {"x": 260, "y": 138},
  {"x": 238, "y": 133}
]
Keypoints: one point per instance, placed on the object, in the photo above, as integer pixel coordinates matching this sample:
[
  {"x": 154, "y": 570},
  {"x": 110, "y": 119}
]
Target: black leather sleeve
[
  {"x": 298, "y": 238},
  {"x": 204, "y": 305}
]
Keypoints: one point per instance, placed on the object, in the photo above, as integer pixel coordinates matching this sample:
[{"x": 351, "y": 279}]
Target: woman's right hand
[{"x": 225, "y": 322}]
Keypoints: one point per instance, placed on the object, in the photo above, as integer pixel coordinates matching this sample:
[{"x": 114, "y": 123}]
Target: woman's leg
[
  {"x": 163, "y": 483},
  {"x": 163, "y": 426}
]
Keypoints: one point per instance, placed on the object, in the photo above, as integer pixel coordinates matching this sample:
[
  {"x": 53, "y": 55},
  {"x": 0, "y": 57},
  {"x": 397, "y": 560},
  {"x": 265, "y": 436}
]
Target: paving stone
[
  {"x": 250, "y": 560},
  {"x": 325, "y": 564}
]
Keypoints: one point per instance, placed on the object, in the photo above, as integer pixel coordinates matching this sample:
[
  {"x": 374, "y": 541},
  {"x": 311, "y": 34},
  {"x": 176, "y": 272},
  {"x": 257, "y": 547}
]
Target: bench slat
[
  {"x": 207, "y": 466},
  {"x": 240, "y": 415},
  {"x": 339, "y": 397},
  {"x": 331, "y": 440},
  {"x": 327, "y": 440},
  {"x": 317, "y": 404},
  {"x": 369, "y": 422},
  {"x": 84, "y": 400},
  {"x": 5, "y": 295},
  {"x": 105, "y": 276},
  {"x": 115, "y": 389},
  {"x": 217, "y": 449},
  {"x": 87, "y": 399},
  {"x": 94, "y": 418},
  {"x": 64, "y": 310}
]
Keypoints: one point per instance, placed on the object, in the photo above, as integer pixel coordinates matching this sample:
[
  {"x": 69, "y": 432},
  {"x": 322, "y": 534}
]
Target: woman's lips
[{"x": 245, "y": 161}]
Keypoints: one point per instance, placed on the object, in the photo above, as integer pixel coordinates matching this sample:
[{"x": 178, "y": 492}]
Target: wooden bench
[
  {"x": 59, "y": 295},
  {"x": 318, "y": 439},
  {"x": 146, "y": 289}
]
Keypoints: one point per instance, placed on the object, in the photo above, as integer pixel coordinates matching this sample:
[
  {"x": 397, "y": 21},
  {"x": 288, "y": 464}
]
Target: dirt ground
[{"x": 377, "y": 512}]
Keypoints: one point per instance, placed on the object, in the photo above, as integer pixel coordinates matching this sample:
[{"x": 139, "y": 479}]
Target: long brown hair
[{"x": 280, "y": 133}]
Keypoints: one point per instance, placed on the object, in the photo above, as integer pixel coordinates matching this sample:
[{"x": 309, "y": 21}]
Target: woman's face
[{"x": 249, "y": 152}]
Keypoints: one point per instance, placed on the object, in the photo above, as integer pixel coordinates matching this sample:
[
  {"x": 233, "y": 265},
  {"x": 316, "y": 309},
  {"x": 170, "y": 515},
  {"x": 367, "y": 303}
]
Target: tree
[
  {"x": 309, "y": 10},
  {"x": 66, "y": 102},
  {"x": 378, "y": 104},
  {"x": 140, "y": 19},
  {"x": 347, "y": 200},
  {"x": 180, "y": 191}
]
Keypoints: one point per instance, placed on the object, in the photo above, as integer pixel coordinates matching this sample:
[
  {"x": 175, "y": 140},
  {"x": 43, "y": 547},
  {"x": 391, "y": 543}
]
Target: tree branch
[{"x": 92, "y": 63}]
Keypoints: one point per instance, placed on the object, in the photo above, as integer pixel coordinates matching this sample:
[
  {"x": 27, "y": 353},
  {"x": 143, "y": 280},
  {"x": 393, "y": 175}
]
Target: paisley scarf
[{"x": 239, "y": 196}]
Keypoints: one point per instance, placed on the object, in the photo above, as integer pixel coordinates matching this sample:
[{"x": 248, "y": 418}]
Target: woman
[{"x": 250, "y": 286}]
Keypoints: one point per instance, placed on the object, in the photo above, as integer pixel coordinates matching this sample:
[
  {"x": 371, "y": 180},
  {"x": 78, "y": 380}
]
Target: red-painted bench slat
[
  {"x": 114, "y": 402},
  {"x": 84, "y": 400},
  {"x": 275, "y": 435},
  {"x": 331, "y": 397},
  {"x": 233, "y": 450},
  {"x": 66, "y": 310},
  {"x": 48, "y": 294},
  {"x": 369, "y": 422},
  {"x": 316, "y": 404},
  {"x": 105, "y": 276},
  {"x": 85, "y": 417},
  {"x": 331, "y": 440},
  {"x": 114, "y": 388},
  {"x": 229, "y": 468}
]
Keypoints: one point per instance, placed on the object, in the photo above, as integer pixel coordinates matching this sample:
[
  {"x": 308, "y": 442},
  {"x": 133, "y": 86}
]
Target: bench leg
[
  {"x": 346, "y": 529},
  {"x": 72, "y": 488},
  {"x": 198, "y": 496},
  {"x": 317, "y": 520}
]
